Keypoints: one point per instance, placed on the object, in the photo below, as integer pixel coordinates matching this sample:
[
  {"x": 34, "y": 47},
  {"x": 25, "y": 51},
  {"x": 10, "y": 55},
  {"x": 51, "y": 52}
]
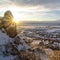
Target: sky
[{"x": 32, "y": 10}]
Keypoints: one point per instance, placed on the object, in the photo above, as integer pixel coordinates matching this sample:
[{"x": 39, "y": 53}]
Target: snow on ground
[
  {"x": 4, "y": 38},
  {"x": 52, "y": 30},
  {"x": 24, "y": 46},
  {"x": 6, "y": 57}
]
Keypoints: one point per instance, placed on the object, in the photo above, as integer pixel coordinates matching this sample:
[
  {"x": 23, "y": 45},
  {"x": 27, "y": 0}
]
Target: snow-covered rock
[
  {"x": 20, "y": 47},
  {"x": 4, "y": 38}
]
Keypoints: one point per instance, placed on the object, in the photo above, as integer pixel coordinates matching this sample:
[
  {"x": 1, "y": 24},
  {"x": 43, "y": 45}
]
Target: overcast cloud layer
[
  {"x": 46, "y": 3},
  {"x": 50, "y": 8}
]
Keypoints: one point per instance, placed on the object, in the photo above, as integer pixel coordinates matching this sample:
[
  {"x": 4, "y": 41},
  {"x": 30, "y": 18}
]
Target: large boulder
[
  {"x": 1, "y": 23},
  {"x": 11, "y": 30},
  {"x": 7, "y": 19},
  {"x": 8, "y": 24}
]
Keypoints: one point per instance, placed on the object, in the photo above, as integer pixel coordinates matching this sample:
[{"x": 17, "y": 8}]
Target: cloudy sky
[{"x": 32, "y": 10}]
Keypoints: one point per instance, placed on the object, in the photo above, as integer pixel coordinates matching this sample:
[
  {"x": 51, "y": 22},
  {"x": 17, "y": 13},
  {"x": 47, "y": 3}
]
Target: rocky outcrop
[{"x": 8, "y": 24}]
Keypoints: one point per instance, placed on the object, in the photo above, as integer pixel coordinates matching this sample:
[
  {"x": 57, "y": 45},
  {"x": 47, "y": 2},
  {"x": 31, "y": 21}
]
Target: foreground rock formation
[{"x": 8, "y": 24}]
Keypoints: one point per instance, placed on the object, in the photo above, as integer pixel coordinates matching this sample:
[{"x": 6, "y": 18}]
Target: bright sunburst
[{"x": 18, "y": 17}]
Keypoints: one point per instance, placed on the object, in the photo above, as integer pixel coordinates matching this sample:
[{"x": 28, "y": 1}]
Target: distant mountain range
[{"x": 42, "y": 23}]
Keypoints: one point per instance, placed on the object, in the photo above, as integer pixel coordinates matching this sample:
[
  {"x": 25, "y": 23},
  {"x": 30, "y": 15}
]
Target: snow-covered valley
[{"x": 38, "y": 43}]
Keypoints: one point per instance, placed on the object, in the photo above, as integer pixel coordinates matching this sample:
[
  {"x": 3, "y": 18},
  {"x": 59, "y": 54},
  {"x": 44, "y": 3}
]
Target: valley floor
[{"x": 31, "y": 43}]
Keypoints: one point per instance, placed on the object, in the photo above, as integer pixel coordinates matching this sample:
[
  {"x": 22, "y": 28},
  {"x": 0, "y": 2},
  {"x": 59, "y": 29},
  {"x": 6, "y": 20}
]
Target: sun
[
  {"x": 20, "y": 14},
  {"x": 16, "y": 19}
]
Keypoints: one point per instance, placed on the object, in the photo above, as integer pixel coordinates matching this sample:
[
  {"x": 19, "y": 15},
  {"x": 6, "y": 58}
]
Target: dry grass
[{"x": 56, "y": 55}]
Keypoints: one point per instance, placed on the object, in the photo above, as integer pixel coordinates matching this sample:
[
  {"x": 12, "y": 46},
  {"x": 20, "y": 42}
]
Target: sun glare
[
  {"x": 16, "y": 19},
  {"x": 20, "y": 14},
  {"x": 19, "y": 17}
]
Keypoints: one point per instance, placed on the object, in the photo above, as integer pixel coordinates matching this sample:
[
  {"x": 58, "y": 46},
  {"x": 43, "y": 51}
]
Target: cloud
[
  {"x": 52, "y": 4},
  {"x": 35, "y": 9},
  {"x": 40, "y": 4},
  {"x": 6, "y": 3}
]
